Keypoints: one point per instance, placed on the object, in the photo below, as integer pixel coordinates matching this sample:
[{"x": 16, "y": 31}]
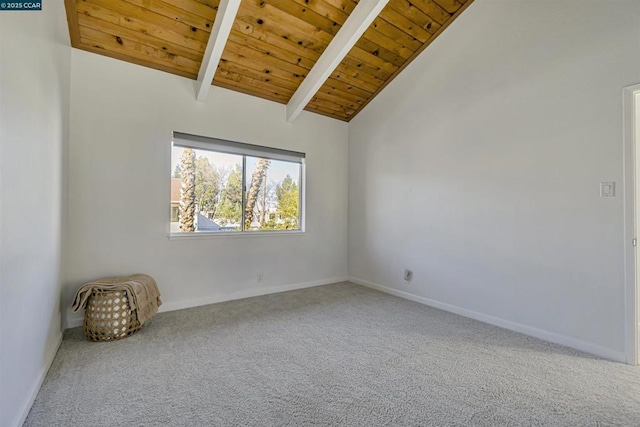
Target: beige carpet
[{"x": 332, "y": 355}]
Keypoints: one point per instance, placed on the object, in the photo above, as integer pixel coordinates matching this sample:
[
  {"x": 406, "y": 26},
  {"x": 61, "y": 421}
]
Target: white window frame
[{"x": 186, "y": 140}]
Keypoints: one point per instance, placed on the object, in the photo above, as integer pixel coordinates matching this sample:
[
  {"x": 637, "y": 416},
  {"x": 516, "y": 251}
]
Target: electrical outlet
[
  {"x": 259, "y": 277},
  {"x": 607, "y": 189},
  {"x": 408, "y": 275}
]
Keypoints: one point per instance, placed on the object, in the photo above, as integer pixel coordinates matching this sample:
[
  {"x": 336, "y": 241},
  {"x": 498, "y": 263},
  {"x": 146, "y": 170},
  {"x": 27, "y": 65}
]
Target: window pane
[
  {"x": 206, "y": 191},
  {"x": 273, "y": 195}
]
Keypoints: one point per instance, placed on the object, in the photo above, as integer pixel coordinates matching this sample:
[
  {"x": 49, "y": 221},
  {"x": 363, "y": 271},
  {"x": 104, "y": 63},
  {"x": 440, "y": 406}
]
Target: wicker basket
[{"x": 109, "y": 317}]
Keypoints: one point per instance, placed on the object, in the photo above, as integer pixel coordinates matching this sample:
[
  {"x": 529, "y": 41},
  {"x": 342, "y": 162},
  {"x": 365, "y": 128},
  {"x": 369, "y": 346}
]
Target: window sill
[{"x": 233, "y": 235}]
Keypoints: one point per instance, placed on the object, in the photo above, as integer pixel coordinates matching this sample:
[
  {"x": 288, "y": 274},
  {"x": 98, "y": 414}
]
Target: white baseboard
[
  {"x": 35, "y": 388},
  {"x": 75, "y": 319},
  {"x": 595, "y": 349}
]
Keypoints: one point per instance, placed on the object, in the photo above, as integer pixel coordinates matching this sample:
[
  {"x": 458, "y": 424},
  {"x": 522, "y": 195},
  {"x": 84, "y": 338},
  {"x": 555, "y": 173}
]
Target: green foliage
[
  {"x": 230, "y": 206},
  {"x": 288, "y": 203},
  {"x": 207, "y": 186}
]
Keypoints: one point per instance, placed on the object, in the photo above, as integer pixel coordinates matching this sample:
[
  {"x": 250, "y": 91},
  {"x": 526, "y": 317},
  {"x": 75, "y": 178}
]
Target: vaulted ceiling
[{"x": 272, "y": 45}]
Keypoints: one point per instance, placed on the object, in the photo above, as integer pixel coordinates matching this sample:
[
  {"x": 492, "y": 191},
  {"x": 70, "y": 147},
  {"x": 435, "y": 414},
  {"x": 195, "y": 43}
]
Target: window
[{"x": 220, "y": 186}]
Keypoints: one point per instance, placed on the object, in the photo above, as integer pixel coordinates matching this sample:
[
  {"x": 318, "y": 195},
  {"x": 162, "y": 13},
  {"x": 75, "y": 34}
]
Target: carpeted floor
[{"x": 332, "y": 355}]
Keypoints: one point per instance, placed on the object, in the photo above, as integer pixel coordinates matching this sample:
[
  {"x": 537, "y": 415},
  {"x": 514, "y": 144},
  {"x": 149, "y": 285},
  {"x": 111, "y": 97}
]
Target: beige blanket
[{"x": 142, "y": 290}]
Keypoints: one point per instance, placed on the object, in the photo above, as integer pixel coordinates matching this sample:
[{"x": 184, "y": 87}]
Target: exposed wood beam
[
  {"x": 355, "y": 25},
  {"x": 227, "y": 11}
]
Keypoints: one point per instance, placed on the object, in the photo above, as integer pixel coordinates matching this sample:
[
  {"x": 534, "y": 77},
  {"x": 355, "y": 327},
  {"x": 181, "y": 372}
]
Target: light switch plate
[{"x": 607, "y": 189}]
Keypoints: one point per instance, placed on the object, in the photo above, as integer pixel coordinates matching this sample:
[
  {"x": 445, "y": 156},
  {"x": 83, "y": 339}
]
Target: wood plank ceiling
[{"x": 272, "y": 46}]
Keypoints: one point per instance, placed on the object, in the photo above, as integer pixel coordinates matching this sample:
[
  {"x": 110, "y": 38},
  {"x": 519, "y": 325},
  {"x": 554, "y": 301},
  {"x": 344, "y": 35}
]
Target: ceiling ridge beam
[
  {"x": 355, "y": 25},
  {"x": 222, "y": 24}
]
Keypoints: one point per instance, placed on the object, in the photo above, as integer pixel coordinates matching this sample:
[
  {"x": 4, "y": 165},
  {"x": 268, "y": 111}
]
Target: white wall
[
  {"x": 479, "y": 169},
  {"x": 34, "y": 114},
  {"x": 122, "y": 118}
]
